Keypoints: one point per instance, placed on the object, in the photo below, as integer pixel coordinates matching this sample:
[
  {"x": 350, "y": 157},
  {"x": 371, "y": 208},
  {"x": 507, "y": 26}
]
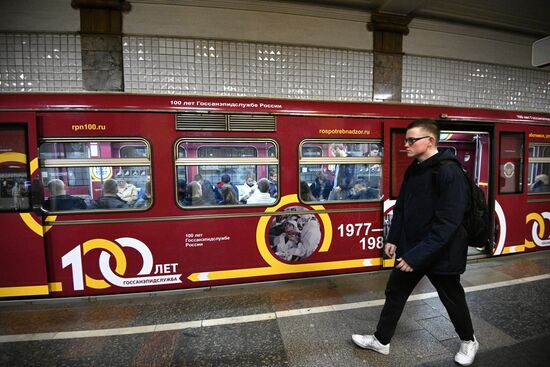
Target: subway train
[{"x": 120, "y": 193}]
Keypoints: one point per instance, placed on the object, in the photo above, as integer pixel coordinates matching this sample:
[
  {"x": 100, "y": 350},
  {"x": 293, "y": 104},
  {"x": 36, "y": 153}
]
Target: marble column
[
  {"x": 388, "y": 31},
  {"x": 101, "y": 43}
]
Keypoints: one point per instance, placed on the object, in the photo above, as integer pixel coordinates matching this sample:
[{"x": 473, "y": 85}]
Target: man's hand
[
  {"x": 389, "y": 250},
  {"x": 403, "y": 266}
]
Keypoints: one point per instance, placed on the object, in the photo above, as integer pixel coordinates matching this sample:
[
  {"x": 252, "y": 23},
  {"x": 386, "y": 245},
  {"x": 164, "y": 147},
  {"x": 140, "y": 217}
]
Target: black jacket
[
  {"x": 109, "y": 202},
  {"x": 321, "y": 191},
  {"x": 426, "y": 224},
  {"x": 64, "y": 202}
]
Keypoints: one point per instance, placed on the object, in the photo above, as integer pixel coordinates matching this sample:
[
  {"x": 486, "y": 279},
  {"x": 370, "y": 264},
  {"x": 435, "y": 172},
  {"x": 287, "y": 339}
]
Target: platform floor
[{"x": 295, "y": 323}]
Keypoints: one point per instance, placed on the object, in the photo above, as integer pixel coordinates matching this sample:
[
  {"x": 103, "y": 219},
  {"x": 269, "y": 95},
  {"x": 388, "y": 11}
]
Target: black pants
[{"x": 399, "y": 288}]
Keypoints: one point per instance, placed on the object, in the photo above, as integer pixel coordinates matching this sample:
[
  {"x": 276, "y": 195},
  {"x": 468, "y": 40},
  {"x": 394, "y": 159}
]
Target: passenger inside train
[
  {"x": 127, "y": 191},
  {"x": 228, "y": 195},
  {"x": 261, "y": 195},
  {"x": 348, "y": 172},
  {"x": 321, "y": 186},
  {"x": 59, "y": 200},
  {"x": 110, "y": 198},
  {"x": 145, "y": 200},
  {"x": 226, "y": 180},
  {"x": 305, "y": 192},
  {"x": 194, "y": 193},
  {"x": 247, "y": 189},
  {"x": 273, "y": 178},
  {"x": 540, "y": 184}
]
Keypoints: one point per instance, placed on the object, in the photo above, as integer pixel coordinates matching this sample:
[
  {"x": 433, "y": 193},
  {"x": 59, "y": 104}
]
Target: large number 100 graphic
[{"x": 74, "y": 257}]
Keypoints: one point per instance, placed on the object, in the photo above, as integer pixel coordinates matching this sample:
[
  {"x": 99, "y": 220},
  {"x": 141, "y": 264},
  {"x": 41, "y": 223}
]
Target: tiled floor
[{"x": 299, "y": 323}]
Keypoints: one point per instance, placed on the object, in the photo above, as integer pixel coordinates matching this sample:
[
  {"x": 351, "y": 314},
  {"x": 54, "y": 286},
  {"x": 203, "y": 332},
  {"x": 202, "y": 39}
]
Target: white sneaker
[
  {"x": 370, "y": 342},
  {"x": 467, "y": 352}
]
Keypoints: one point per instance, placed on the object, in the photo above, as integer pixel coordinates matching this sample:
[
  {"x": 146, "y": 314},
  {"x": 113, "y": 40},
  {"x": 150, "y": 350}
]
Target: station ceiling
[
  {"x": 531, "y": 17},
  {"x": 527, "y": 17}
]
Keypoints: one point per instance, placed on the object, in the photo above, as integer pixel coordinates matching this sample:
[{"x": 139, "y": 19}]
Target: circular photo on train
[{"x": 294, "y": 237}]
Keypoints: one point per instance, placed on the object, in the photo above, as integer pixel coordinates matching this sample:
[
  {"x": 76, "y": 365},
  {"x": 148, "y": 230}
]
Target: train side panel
[{"x": 169, "y": 247}]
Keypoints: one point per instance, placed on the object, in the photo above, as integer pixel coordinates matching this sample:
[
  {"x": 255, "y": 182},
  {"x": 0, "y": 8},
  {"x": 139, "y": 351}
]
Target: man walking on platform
[{"x": 427, "y": 238}]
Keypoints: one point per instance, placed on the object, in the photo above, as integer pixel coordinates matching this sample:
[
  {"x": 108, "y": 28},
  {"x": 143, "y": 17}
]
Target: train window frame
[
  {"x": 87, "y": 162},
  {"x": 532, "y": 161},
  {"x": 355, "y": 160},
  {"x": 23, "y": 130},
  {"x": 267, "y": 161}
]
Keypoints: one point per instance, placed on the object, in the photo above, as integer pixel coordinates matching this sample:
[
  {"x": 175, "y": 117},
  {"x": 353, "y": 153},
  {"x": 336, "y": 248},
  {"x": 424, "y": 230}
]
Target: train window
[
  {"x": 102, "y": 174},
  {"x": 14, "y": 172},
  {"x": 341, "y": 171},
  {"x": 311, "y": 173},
  {"x": 539, "y": 168},
  {"x": 226, "y": 152},
  {"x": 78, "y": 176},
  {"x": 511, "y": 163},
  {"x": 131, "y": 151},
  {"x": 64, "y": 150},
  {"x": 217, "y": 172}
]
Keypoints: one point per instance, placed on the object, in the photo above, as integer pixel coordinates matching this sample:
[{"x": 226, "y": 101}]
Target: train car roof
[{"x": 203, "y": 104}]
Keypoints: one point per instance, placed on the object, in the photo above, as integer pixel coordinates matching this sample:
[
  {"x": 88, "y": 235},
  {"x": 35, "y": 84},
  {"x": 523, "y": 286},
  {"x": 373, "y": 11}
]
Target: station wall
[{"x": 259, "y": 49}]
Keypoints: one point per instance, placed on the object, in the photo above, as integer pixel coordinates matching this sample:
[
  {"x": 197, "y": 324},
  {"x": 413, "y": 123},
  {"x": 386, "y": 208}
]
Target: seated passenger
[
  {"x": 145, "y": 200},
  {"x": 208, "y": 191},
  {"x": 261, "y": 196},
  {"x": 194, "y": 191},
  {"x": 247, "y": 189},
  {"x": 342, "y": 191},
  {"x": 374, "y": 151},
  {"x": 59, "y": 200},
  {"x": 273, "y": 179},
  {"x": 110, "y": 199},
  {"x": 321, "y": 187},
  {"x": 305, "y": 192},
  {"x": 361, "y": 192},
  {"x": 228, "y": 195},
  {"x": 226, "y": 179},
  {"x": 541, "y": 184},
  {"x": 127, "y": 191},
  {"x": 182, "y": 192}
]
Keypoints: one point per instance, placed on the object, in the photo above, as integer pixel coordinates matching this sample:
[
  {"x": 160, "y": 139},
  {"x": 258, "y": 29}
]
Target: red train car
[{"x": 117, "y": 193}]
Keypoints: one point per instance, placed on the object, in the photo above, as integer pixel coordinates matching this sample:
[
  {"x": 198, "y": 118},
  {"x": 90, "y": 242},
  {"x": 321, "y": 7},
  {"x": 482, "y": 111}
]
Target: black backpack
[{"x": 476, "y": 219}]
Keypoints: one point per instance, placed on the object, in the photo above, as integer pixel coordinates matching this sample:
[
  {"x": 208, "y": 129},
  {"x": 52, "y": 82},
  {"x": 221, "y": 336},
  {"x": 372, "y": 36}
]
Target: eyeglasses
[{"x": 411, "y": 141}]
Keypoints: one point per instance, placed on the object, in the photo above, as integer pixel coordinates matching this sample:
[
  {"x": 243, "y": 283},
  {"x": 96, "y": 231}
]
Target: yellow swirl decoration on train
[
  {"x": 276, "y": 266},
  {"x": 538, "y": 219},
  {"x": 28, "y": 218},
  {"x": 113, "y": 248},
  {"x": 13, "y": 157}
]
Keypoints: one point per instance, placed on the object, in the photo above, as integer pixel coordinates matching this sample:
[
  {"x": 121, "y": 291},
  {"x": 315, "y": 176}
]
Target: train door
[
  {"x": 22, "y": 262},
  {"x": 538, "y": 187},
  {"x": 470, "y": 144},
  {"x": 511, "y": 193}
]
